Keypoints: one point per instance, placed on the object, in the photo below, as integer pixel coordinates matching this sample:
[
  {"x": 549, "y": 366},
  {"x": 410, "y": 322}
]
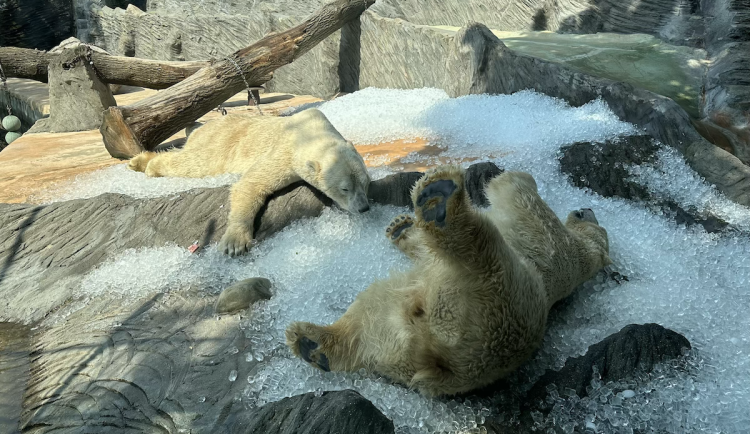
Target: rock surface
[
  {"x": 634, "y": 349},
  {"x": 15, "y": 347},
  {"x": 341, "y": 412},
  {"x": 727, "y": 86},
  {"x": 603, "y": 168},
  {"x": 39, "y": 24},
  {"x": 623, "y": 357},
  {"x": 243, "y": 294},
  {"x": 674, "y": 20}
]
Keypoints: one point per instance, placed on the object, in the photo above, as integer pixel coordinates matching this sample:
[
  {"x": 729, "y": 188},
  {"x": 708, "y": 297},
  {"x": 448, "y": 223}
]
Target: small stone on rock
[{"x": 243, "y": 294}]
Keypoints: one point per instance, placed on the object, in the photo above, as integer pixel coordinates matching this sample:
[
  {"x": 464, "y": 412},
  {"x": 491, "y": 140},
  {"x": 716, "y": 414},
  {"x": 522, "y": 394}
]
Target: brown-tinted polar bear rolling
[
  {"x": 271, "y": 153},
  {"x": 474, "y": 305}
]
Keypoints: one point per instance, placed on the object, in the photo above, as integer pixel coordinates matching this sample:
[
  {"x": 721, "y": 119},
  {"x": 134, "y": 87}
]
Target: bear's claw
[
  {"x": 398, "y": 226},
  {"x": 433, "y": 200},
  {"x": 235, "y": 242},
  {"x": 307, "y": 351}
]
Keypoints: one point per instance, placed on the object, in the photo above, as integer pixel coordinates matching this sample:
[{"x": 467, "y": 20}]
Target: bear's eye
[{"x": 344, "y": 189}]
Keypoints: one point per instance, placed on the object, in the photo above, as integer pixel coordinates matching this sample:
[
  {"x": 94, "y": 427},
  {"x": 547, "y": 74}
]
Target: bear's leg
[
  {"x": 377, "y": 332},
  {"x": 532, "y": 229},
  {"x": 335, "y": 347},
  {"x": 405, "y": 236},
  {"x": 140, "y": 161},
  {"x": 247, "y": 198},
  {"x": 450, "y": 225},
  {"x": 318, "y": 346}
]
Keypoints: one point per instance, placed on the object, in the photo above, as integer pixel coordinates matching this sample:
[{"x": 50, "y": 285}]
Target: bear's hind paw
[
  {"x": 398, "y": 227},
  {"x": 306, "y": 348}
]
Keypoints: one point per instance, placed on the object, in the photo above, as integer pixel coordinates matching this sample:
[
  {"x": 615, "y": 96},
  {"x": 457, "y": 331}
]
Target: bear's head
[
  {"x": 340, "y": 173},
  {"x": 584, "y": 223}
]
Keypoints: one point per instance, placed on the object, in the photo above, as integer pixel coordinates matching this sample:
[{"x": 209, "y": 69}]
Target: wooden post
[{"x": 147, "y": 123}]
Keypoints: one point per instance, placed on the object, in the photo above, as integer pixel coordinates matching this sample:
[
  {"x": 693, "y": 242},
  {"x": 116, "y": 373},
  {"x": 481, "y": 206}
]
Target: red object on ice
[{"x": 193, "y": 247}]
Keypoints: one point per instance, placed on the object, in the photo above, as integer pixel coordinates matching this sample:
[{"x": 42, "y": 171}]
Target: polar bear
[
  {"x": 474, "y": 305},
  {"x": 270, "y": 153}
]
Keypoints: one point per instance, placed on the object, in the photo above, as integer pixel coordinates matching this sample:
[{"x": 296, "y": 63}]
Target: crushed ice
[{"x": 682, "y": 278}]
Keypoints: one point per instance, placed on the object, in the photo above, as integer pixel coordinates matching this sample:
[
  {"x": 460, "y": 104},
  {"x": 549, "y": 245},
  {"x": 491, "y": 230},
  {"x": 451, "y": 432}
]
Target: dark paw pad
[
  {"x": 306, "y": 346},
  {"x": 398, "y": 226},
  {"x": 441, "y": 190},
  {"x": 400, "y": 229}
]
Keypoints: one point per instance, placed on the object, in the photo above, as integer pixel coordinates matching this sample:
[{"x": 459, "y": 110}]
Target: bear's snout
[{"x": 364, "y": 208}]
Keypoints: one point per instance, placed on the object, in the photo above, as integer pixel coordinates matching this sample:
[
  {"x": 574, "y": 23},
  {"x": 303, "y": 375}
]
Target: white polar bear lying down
[{"x": 271, "y": 153}]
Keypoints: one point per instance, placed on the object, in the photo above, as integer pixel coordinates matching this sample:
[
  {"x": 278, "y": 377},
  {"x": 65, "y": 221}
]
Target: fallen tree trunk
[
  {"x": 129, "y": 71},
  {"x": 128, "y": 130}
]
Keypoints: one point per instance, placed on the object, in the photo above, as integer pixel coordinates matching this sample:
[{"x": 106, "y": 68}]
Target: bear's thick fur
[
  {"x": 271, "y": 153},
  {"x": 474, "y": 305}
]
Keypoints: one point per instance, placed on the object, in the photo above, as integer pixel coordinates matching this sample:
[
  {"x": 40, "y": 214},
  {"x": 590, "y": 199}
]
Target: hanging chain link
[
  {"x": 4, "y": 79},
  {"x": 250, "y": 94}
]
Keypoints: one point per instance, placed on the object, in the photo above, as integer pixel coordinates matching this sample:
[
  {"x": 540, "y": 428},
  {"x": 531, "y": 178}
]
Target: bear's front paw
[
  {"x": 438, "y": 194},
  {"x": 398, "y": 228},
  {"x": 140, "y": 161},
  {"x": 236, "y": 241},
  {"x": 305, "y": 346}
]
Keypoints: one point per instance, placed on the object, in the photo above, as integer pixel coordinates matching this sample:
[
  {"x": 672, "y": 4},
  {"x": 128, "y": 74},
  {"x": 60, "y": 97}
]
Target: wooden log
[
  {"x": 129, "y": 71},
  {"x": 154, "y": 119}
]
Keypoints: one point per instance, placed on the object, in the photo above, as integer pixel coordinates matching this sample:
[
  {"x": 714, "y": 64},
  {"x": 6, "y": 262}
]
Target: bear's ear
[{"x": 313, "y": 167}]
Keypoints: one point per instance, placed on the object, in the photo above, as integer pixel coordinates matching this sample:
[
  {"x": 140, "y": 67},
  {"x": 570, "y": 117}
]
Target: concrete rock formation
[{"x": 77, "y": 95}]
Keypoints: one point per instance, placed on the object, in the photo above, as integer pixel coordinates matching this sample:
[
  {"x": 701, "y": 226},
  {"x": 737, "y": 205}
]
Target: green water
[{"x": 641, "y": 60}]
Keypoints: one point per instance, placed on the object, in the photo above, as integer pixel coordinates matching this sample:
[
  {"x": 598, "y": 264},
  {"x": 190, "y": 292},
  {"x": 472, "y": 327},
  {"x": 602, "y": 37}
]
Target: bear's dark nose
[{"x": 365, "y": 208}]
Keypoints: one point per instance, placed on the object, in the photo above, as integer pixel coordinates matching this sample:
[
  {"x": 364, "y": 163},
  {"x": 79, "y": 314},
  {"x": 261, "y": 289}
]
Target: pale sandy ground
[{"x": 35, "y": 162}]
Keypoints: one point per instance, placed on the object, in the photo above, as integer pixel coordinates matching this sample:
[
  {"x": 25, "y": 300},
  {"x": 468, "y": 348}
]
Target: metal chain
[
  {"x": 247, "y": 85},
  {"x": 4, "y": 79}
]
